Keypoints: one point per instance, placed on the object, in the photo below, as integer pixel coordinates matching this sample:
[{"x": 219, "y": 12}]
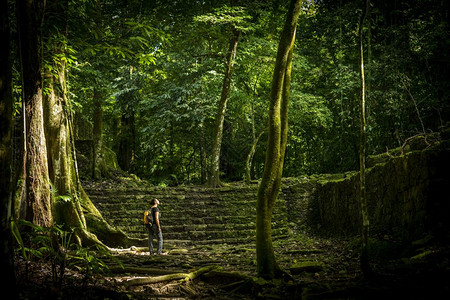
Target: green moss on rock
[{"x": 307, "y": 266}]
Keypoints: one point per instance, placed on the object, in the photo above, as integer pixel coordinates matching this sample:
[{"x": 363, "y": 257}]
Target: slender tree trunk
[
  {"x": 248, "y": 162},
  {"x": 362, "y": 154},
  {"x": 271, "y": 181},
  {"x": 284, "y": 109},
  {"x": 220, "y": 117},
  {"x": 97, "y": 136},
  {"x": 6, "y": 116},
  {"x": 37, "y": 207},
  {"x": 203, "y": 159},
  {"x": 127, "y": 139}
]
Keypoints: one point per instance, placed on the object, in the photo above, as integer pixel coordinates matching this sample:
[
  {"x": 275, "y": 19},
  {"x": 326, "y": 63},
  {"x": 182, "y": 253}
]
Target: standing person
[{"x": 155, "y": 229}]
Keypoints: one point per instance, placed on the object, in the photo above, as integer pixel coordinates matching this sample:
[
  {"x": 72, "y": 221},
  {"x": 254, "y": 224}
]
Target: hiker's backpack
[{"x": 148, "y": 218}]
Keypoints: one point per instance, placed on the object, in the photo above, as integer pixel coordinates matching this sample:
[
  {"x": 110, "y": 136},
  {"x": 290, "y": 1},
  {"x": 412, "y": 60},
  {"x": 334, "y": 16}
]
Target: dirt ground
[{"x": 316, "y": 268}]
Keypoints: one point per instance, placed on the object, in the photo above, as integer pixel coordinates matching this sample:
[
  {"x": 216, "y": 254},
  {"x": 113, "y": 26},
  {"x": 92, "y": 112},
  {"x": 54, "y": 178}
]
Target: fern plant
[
  {"x": 54, "y": 245},
  {"x": 49, "y": 244}
]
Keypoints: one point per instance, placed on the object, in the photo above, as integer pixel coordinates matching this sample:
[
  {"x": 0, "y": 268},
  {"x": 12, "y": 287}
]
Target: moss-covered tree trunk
[
  {"x": 214, "y": 178},
  {"x": 72, "y": 206},
  {"x": 365, "y": 267},
  {"x": 37, "y": 203},
  {"x": 267, "y": 266},
  {"x": 57, "y": 111},
  {"x": 6, "y": 114},
  {"x": 62, "y": 166}
]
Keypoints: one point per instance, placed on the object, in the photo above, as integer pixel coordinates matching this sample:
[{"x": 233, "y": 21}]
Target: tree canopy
[{"x": 159, "y": 69}]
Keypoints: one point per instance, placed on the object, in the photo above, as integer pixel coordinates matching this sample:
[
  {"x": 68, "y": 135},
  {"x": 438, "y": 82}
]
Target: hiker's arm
[{"x": 157, "y": 221}]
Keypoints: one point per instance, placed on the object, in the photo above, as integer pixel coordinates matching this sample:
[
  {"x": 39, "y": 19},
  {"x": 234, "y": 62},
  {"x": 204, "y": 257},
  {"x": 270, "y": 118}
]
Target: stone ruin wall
[{"x": 407, "y": 194}]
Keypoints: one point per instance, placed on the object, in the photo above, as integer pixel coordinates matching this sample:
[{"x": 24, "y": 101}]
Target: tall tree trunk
[
  {"x": 6, "y": 125},
  {"x": 98, "y": 97},
  {"x": 97, "y": 136},
  {"x": 57, "y": 110},
  {"x": 75, "y": 209},
  {"x": 72, "y": 208},
  {"x": 220, "y": 117},
  {"x": 61, "y": 153},
  {"x": 365, "y": 266},
  {"x": 127, "y": 139},
  {"x": 271, "y": 180},
  {"x": 58, "y": 119},
  {"x": 37, "y": 207}
]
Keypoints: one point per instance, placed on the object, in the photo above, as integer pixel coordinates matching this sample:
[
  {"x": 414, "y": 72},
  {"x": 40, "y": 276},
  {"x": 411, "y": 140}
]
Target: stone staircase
[{"x": 190, "y": 215}]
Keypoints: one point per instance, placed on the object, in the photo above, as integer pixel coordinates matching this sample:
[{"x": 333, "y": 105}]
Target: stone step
[
  {"x": 131, "y": 211},
  {"x": 246, "y": 242},
  {"x": 196, "y": 227},
  {"x": 223, "y": 222},
  {"x": 168, "y": 191},
  {"x": 186, "y": 243},
  {"x": 189, "y": 215},
  {"x": 227, "y": 222},
  {"x": 204, "y": 234},
  {"x": 138, "y": 207},
  {"x": 137, "y": 231},
  {"x": 176, "y": 202}
]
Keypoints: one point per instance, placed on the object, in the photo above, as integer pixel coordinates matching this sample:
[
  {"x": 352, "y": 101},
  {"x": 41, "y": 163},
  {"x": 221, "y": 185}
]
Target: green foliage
[
  {"x": 16, "y": 233},
  {"x": 162, "y": 64},
  {"x": 159, "y": 66},
  {"x": 55, "y": 246},
  {"x": 89, "y": 261},
  {"x": 46, "y": 244},
  {"x": 235, "y": 16}
]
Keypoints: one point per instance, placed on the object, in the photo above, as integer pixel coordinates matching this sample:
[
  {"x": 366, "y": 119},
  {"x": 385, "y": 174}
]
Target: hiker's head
[{"x": 154, "y": 201}]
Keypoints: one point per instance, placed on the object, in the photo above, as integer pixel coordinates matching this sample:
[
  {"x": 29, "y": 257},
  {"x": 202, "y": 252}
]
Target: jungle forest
[{"x": 228, "y": 149}]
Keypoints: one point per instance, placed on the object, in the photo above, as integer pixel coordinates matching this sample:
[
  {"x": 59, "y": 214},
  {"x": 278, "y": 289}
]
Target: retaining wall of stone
[{"x": 407, "y": 195}]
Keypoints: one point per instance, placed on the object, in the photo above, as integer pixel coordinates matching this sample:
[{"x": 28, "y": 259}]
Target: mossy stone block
[{"x": 307, "y": 266}]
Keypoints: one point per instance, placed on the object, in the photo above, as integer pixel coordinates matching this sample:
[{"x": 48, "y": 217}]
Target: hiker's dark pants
[{"x": 153, "y": 232}]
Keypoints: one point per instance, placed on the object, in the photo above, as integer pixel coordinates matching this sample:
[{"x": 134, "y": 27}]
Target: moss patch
[{"x": 307, "y": 266}]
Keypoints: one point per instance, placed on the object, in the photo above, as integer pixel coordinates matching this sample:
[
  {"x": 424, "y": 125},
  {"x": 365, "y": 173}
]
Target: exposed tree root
[
  {"x": 226, "y": 277},
  {"x": 185, "y": 277},
  {"x": 187, "y": 289},
  {"x": 140, "y": 270},
  {"x": 150, "y": 280}
]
